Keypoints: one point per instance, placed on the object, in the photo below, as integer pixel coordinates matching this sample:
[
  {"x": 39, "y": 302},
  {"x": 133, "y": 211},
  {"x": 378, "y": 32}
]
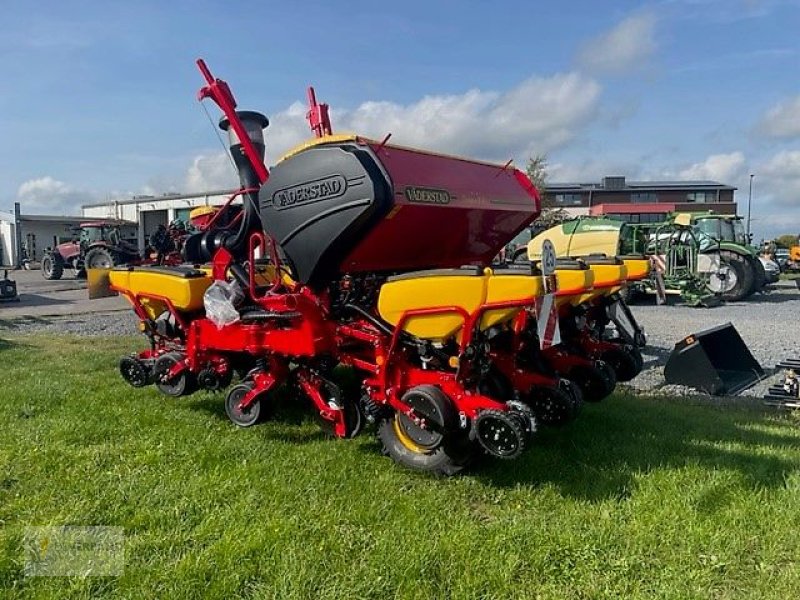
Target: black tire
[
  {"x": 595, "y": 383},
  {"x": 180, "y": 385},
  {"x": 626, "y": 361},
  {"x": 443, "y": 450},
  {"x": 759, "y": 275},
  {"x": 554, "y": 406},
  {"x": 502, "y": 434},
  {"x": 99, "y": 258},
  {"x": 742, "y": 270},
  {"x": 243, "y": 418},
  {"x": 51, "y": 267}
]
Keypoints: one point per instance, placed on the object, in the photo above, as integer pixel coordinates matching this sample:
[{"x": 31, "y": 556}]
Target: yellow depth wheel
[{"x": 403, "y": 437}]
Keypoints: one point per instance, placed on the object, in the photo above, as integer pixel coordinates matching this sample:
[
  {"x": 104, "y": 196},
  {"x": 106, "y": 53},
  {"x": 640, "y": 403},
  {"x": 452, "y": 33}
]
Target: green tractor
[
  {"x": 726, "y": 234},
  {"x": 704, "y": 258},
  {"x": 726, "y": 260}
]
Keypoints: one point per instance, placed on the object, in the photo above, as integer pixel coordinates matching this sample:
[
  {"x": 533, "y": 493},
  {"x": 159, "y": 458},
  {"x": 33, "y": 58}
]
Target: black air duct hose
[{"x": 201, "y": 247}]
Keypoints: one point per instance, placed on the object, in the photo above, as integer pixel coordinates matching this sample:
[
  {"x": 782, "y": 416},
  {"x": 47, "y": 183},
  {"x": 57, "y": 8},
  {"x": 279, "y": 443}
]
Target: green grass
[{"x": 638, "y": 498}]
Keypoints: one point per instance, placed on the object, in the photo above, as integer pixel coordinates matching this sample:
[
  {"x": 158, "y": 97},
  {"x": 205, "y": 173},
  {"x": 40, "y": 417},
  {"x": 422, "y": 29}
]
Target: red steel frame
[{"x": 302, "y": 328}]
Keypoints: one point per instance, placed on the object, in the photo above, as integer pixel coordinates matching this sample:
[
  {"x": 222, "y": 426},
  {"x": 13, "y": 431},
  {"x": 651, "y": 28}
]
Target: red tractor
[{"x": 96, "y": 245}]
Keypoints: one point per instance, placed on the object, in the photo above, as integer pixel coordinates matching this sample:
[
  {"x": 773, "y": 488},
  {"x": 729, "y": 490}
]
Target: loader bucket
[
  {"x": 97, "y": 280},
  {"x": 715, "y": 360}
]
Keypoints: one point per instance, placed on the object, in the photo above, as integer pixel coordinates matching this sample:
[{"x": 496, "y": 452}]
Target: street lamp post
[{"x": 749, "y": 202}]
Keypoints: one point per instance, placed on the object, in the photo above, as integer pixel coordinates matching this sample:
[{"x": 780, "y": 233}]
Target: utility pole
[
  {"x": 18, "y": 235},
  {"x": 749, "y": 202}
]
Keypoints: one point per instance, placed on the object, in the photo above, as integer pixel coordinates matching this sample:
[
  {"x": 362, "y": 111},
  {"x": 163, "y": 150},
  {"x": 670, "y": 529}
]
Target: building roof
[
  {"x": 639, "y": 185},
  {"x": 146, "y": 199},
  {"x": 50, "y": 218}
]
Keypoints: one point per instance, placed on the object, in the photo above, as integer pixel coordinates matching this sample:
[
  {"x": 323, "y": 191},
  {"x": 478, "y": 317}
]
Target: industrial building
[
  {"x": 641, "y": 201},
  {"x": 25, "y": 236},
  {"x": 151, "y": 211}
]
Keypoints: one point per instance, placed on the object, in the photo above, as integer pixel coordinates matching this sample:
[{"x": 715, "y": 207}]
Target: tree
[
  {"x": 537, "y": 172},
  {"x": 552, "y": 214},
  {"x": 786, "y": 241}
]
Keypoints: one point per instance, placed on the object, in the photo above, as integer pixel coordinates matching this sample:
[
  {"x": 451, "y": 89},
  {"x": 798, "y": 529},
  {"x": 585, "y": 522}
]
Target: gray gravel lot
[{"x": 769, "y": 324}]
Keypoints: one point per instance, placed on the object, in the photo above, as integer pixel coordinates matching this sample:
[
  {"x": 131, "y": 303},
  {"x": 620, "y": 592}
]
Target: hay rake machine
[{"x": 361, "y": 254}]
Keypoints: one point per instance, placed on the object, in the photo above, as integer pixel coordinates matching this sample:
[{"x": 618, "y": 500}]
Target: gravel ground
[
  {"x": 768, "y": 324},
  {"x": 88, "y": 324}
]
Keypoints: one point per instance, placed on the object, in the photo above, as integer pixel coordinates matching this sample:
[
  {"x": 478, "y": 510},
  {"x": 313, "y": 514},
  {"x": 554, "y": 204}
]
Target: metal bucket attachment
[
  {"x": 8, "y": 289},
  {"x": 98, "y": 283},
  {"x": 715, "y": 361}
]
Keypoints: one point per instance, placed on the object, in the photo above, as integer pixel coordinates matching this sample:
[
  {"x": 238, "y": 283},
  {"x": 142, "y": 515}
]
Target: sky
[{"x": 98, "y": 100}]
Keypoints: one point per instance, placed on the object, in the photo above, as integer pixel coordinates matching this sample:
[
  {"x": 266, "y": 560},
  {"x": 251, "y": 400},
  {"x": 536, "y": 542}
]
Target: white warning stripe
[{"x": 547, "y": 322}]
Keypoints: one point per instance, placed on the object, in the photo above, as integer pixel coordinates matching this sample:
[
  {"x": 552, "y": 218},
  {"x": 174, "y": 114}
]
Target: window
[
  {"x": 638, "y": 218},
  {"x": 568, "y": 199},
  {"x": 709, "y": 227},
  {"x": 183, "y": 214},
  {"x": 654, "y": 217},
  {"x": 643, "y": 197},
  {"x": 701, "y": 197}
]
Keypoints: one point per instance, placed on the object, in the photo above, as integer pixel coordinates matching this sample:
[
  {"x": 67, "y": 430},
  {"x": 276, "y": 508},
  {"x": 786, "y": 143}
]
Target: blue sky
[{"x": 98, "y": 99}]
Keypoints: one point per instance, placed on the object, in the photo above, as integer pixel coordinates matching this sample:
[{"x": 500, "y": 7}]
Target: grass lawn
[{"x": 639, "y": 498}]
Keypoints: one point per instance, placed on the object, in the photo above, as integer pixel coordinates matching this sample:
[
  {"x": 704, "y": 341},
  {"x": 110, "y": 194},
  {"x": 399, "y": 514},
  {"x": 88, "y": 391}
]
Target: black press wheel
[
  {"x": 440, "y": 447},
  {"x": 178, "y": 385},
  {"x": 626, "y": 361},
  {"x": 554, "y": 406},
  {"x": 243, "y": 418},
  {"x": 134, "y": 371},
  {"x": 502, "y": 434},
  {"x": 51, "y": 267},
  {"x": 595, "y": 382}
]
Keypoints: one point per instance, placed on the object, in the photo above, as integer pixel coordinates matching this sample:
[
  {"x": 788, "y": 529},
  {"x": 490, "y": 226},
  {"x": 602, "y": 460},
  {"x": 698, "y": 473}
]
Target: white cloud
[
  {"x": 781, "y": 178},
  {"x": 717, "y": 167},
  {"x": 49, "y": 195},
  {"x": 210, "y": 172},
  {"x": 782, "y": 120},
  {"x": 539, "y": 115},
  {"x": 625, "y": 47}
]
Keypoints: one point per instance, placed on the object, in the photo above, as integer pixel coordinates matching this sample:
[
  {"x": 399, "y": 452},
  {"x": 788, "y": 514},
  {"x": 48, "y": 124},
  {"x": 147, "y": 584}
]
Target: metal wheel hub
[
  {"x": 553, "y": 409},
  {"x": 134, "y": 371},
  {"x": 723, "y": 279},
  {"x": 424, "y": 438},
  {"x": 501, "y": 433}
]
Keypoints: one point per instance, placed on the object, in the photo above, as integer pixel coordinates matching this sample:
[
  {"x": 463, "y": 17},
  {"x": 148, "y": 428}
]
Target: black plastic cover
[
  {"x": 601, "y": 259},
  {"x": 320, "y": 203}
]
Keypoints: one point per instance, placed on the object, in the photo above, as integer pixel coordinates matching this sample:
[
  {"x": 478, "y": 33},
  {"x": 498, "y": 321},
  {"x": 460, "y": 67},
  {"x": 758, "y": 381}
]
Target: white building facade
[
  {"x": 151, "y": 211},
  {"x": 29, "y": 236}
]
